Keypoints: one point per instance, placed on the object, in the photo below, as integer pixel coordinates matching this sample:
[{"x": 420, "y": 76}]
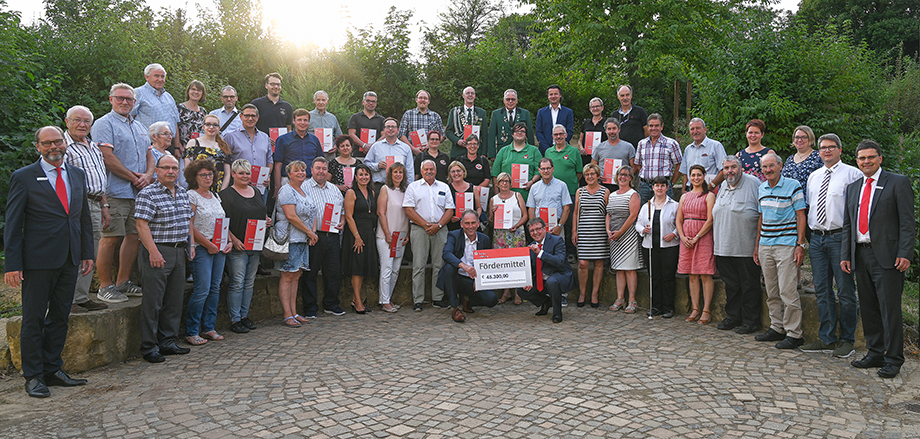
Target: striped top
[{"x": 778, "y": 205}]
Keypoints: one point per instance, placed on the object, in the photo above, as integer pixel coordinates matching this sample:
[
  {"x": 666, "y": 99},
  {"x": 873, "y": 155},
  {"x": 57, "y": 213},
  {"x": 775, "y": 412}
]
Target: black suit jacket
[
  {"x": 453, "y": 253},
  {"x": 39, "y": 232},
  {"x": 553, "y": 261},
  {"x": 891, "y": 219}
]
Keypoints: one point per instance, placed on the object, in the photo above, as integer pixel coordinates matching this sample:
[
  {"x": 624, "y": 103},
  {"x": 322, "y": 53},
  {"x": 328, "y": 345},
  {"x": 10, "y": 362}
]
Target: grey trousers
[{"x": 161, "y": 305}]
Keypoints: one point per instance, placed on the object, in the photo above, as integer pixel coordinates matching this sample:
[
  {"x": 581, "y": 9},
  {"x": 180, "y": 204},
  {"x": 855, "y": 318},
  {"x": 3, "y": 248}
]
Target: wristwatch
[{"x": 803, "y": 245}]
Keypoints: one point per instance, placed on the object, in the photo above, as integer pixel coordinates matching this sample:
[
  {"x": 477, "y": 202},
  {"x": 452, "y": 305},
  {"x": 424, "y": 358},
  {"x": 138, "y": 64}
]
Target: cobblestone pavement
[{"x": 503, "y": 373}]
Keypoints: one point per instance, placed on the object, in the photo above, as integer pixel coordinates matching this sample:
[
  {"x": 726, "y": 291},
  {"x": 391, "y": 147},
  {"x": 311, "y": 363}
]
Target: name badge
[{"x": 41, "y": 178}]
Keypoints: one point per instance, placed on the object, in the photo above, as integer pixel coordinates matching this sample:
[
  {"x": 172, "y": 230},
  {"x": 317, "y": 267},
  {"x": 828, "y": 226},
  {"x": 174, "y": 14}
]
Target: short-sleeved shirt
[
  {"x": 359, "y": 121},
  {"x": 292, "y": 146},
  {"x": 207, "y": 210},
  {"x": 567, "y": 164},
  {"x": 735, "y": 214},
  {"x": 168, "y": 216},
  {"x": 801, "y": 171},
  {"x": 476, "y": 170},
  {"x": 657, "y": 158},
  {"x": 381, "y": 150},
  {"x": 151, "y": 106},
  {"x": 778, "y": 205},
  {"x": 440, "y": 164},
  {"x": 709, "y": 154},
  {"x": 272, "y": 115},
  {"x": 304, "y": 207},
  {"x": 223, "y": 115},
  {"x": 508, "y": 156},
  {"x": 130, "y": 141},
  {"x": 414, "y": 120},
  {"x": 89, "y": 159},
  {"x": 256, "y": 150},
  {"x": 554, "y": 195},
  {"x": 429, "y": 201},
  {"x": 632, "y": 124},
  {"x": 241, "y": 209},
  {"x": 623, "y": 151},
  {"x": 328, "y": 193}
]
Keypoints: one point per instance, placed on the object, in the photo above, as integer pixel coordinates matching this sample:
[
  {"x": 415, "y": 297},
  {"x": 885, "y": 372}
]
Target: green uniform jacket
[
  {"x": 500, "y": 129},
  {"x": 456, "y": 119}
]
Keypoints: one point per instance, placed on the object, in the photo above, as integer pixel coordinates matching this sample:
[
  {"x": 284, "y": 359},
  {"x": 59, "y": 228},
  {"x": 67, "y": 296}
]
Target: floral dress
[
  {"x": 189, "y": 122},
  {"x": 800, "y": 171},
  {"x": 750, "y": 162},
  {"x": 216, "y": 156}
]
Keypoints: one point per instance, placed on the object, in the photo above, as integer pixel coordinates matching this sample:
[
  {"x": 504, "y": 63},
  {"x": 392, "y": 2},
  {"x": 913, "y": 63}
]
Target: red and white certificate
[
  {"x": 348, "y": 174},
  {"x": 419, "y": 138},
  {"x": 275, "y": 133},
  {"x": 471, "y": 129},
  {"x": 194, "y": 135},
  {"x": 390, "y": 159},
  {"x": 592, "y": 139},
  {"x": 550, "y": 217},
  {"x": 368, "y": 136},
  {"x": 221, "y": 232},
  {"x": 396, "y": 246},
  {"x": 463, "y": 202},
  {"x": 611, "y": 166},
  {"x": 483, "y": 194},
  {"x": 325, "y": 138},
  {"x": 255, "y": 235},
  {"x": 259, "y": 176},
  {"x": 520, "y": 175},
  {"x": 504, "y": 215},
  {"x": 332, "y": 214}
]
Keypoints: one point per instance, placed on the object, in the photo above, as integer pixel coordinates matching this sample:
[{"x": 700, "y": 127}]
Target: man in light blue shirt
[
  {"x": 320, "y": 118},
  {"x": 154, "y": 103},
  {"x": 550, "y": 192},
  {"x": 389, "y": 146},
  {"x": 705, "y": 152},
  {"x": 251, "y": 144},
  {"x": 229, "y": 97}
]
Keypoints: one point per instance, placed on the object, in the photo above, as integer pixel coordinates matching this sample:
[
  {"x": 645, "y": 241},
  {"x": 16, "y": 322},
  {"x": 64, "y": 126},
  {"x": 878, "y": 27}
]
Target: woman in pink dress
[{"x": 694, "y": 224}]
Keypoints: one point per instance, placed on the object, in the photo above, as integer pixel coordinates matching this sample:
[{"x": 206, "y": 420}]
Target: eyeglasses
[
  {"x": 865, "y": 158},
  {"x": 120, "y": 99},
  {"x": 169, "y": 168},
  {"x": 211, "y": 125},
  {"x": 47, "y": 143},
  {"x": 167, "y": 134},
  {"x": 206, "y": 175},
  {"x": 370, "y": 101},
  {"x": 228, "y": 97},
  {"x": 249, "y": 116},
  {"x": 82, "y": 121},
  {"x": 558, "y": 134},
  {"x": 827, "y": 148},
  {"x": 800, "y": 137},
  {"x": 390, "y": 127},
  {"x": 274, "y": 84},
  {"x": 510, "y": 99}
]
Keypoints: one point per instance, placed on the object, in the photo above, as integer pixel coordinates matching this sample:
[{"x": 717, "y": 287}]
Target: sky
[{"x": 329, "y": 19}]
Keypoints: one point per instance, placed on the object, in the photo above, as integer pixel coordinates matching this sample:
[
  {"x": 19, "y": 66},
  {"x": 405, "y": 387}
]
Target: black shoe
[
  {"x": 868, "y": 362},
  {"x": 790, "y": 343},
  {"x": 889, "y": 371},
  {"x": 668, "y": 314},
  {"x": 36, "y": 388},
  {"x": 335, "y": 310},
  {"x": 154, "y": 357},
  {"x": 172, "y": 349},
  {"x": 595, "y": 304},
  {"x": 248, "y": 323},
  {"x": 60, "y": 378},
  {"x": 557, "y": 318},
  {"x": 746, "y": 329},
  {"x": 580, "y": 304},
  {"x": 417, "y": 307},
  {"x": 239, "y": 327},
  {"x": 728, "y": 324},
  {"x": 653, "y": 312},
  {"x": 545, "y": 308},
  {"x": 443, "y": 304},
  {"x": 770, "y": 335}
]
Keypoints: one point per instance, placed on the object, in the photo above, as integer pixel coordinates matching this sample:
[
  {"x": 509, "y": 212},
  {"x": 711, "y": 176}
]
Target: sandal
[
  {"x": 518, "y": 300},
  {"x": 388, "y": 308},
  {"x": 693, "y": 315},
  {"x": 291, "y": 322},
  {"x": 195, "y": 340},
  {"x": 300, "y": 318},
  {"x": 631, "y": 308},
  {"x": 618, "y": 305},
  {"x": 703, "y": 321},
  {"x": 213, "y": 335}
]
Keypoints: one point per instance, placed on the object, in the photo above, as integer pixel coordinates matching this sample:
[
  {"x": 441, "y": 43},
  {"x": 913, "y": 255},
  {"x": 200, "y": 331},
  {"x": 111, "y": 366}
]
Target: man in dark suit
[
  {"x": 457, "y": 276},
  {"x": 461, "y": 116},
  {"x": 502, "y": 122},
  {"x": 551, "y": 115},
  {"x": 49, "y": 240},
  {"x": 551, "y": 274},
  {"x": 878, "y": 244}
]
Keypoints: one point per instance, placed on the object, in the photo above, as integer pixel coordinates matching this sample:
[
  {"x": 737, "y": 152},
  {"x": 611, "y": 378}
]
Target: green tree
[{"x": 882, "y": 24}]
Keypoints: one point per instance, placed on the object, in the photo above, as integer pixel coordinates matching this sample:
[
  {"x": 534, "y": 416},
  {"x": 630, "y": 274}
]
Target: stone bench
[{"x": 112, "y": 335}]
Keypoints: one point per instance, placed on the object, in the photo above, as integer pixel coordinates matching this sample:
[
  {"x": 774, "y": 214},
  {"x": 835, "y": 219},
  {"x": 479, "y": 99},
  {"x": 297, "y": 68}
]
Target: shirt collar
[
  {"x": 48, "y": 167},
  {"x": 467, "y": 239}
]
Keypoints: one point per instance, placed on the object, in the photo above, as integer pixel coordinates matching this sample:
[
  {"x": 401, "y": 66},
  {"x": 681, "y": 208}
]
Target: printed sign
[
  {"x": 194, "y": 135},
  {"x": 221, "y": 232},
  {"x": 368, "y": 136},
  {"x": 592, "y": 139},
  {"x": 275, "y": 133},
  {"x": 259, "y": 175},
  {"x": 502, "y": 268},
  {"x": 396, "y": 246},
  {"x": 464, "y": 202},
  {"x": 255, "y": 235},
  {"x": 520, "y": 175},
  {"x": 471, "y": 129},
  {"x": 550, "y": 217},
  {"x": 419, "y": 138},
  {"x": 348, "y": 174},
  {"x": 611, "y": 166},
  {"x": 332, "y": 214},
  {"x": 325, "y": 138},
  {"x": 504, "y": 215},
  {"x": 483, "y": 194}
]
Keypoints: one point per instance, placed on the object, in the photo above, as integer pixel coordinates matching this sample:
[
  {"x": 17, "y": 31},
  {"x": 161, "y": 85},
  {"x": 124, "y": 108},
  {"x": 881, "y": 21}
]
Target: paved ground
[{"x": 504, "y": 373}]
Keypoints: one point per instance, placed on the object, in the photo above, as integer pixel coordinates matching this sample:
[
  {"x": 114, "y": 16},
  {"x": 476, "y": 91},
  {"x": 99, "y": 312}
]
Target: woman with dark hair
[
  {"x": 694, "y": 224},
  {"x": 338, "y": 165},
  {"x": 750, "y": 156},
  {"x": 211, "y": 146},
  {"x": 478, "y": 170},
  {"x": 208, "y": 264},
  {"x": 359, "y": 258},
  {"x": 657, "y": 225},
  {"x": 391, "y": 218},
  {"x": 191, "y": 116},
  {"x": 439, "y": 158}
]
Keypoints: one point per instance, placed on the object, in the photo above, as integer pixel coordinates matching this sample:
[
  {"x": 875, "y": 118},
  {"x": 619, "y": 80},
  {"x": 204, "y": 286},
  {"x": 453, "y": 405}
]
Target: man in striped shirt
[{"x": 779, "y": 250}]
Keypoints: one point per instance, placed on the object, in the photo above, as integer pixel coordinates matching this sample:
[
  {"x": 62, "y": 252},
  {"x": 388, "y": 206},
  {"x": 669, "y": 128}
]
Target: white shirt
[
  {"x": 860, "y": 238},
  {"x": 468, "y": 249},
  {"x": 668, "y": 223},
  {"x": 429, "y": 201},
  {"x": 842, "y": 175},
  {"x": 555, "y": 112}
]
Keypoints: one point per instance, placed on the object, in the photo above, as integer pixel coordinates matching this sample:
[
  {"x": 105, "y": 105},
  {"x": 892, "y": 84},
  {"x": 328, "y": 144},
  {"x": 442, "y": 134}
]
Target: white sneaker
[
  {"x": 130, "y": 289},
  {"x": 111, "y": 294}
]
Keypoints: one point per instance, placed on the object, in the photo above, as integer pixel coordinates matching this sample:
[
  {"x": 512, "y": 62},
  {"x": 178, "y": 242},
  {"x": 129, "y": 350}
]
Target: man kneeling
[
  {"x": 551, "y": 273},
  {"x": 457, "y": 276}
]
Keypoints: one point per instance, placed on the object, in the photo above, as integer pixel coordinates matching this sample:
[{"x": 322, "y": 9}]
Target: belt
[
  {"x": 864, "y": 244},
  {"x": 826, "y": 232},
  {"x": 320, "y": 232},
  {"x": 94, "y": 197},
  {"x": 697, "y": 219},
  {"x": 180, "y": 244}
]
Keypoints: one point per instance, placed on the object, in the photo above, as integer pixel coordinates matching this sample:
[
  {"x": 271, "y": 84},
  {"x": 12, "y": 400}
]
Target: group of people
[{"x": 152, "y": 181}]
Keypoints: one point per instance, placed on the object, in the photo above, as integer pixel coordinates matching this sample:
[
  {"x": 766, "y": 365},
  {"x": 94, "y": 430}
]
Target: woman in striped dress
[
  {"x": 589, "y": 233},
  {"x": 622, "y": 210},
  {"x": 694, "y": 224}
]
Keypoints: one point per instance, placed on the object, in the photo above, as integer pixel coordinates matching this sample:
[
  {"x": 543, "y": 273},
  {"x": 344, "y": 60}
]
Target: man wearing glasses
[
  {"x": 124, "y": 143},
  {"x": 250, "y": 144},
  {"x": 365, "y": 126},
  {"x": 229, "y": 116},
  {"x": 274, "y": 111},
  {"x": 500, "y": 133},
  {"x": 389, "y": 147}
]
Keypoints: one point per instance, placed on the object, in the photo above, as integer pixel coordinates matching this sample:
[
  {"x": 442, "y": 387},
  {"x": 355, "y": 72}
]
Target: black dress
[{"x": 365, "y": 215}]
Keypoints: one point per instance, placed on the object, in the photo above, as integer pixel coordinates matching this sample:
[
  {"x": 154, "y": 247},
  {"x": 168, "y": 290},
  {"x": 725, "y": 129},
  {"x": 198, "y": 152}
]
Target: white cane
[{"x": 651, "y": 305}]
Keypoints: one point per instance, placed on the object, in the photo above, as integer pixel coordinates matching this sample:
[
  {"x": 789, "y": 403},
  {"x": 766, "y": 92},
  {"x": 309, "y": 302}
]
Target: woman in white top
[
  {"x": 656, "y": 224},
  {"x": 208, "y": 264},
  {"x": 506, "y": 199},
  {"x": 391, "y": 218}
]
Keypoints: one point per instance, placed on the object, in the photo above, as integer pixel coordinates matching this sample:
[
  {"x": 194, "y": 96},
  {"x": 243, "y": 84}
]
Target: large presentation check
[{"x": 502, "y": 268}]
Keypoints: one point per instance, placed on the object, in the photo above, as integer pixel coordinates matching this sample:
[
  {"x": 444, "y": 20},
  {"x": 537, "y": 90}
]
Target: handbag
[{"x": 276, "y": 247}]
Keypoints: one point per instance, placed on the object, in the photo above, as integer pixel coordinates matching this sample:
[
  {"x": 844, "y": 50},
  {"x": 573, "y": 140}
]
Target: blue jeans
[
  {"x": 825, "y": 262},
  {"x": 207, "y": 270},
  {"x": 242, "y": 265}
]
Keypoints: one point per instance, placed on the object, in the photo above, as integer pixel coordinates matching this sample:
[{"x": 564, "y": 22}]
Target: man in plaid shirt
[
  {"x": 656, "y": 155},
  {"x": 419, "y": 118},
  {"x": 164, "y": 215}
]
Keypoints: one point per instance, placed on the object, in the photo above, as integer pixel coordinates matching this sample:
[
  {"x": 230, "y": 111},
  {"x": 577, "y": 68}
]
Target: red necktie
[
  {"x": 539, "y": 271},
  {"x": 61, "y": 190},
  {"x": 864, "y": 208}
]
